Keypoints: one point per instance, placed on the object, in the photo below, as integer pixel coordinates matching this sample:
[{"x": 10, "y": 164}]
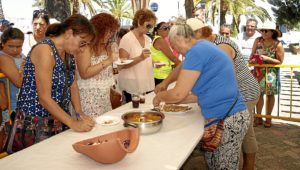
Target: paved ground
[
  {"x": 279, "y": 146},
  {"x": 279, "y": 149}
]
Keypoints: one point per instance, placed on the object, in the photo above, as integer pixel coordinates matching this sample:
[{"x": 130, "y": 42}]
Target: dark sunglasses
[
  {"x": 149, "y": 26},
  {"x": 39, "y": 12},
  {"x": 83, "y": 44},
  {"x": 165, "y": 28},
  {"x": 225, "y": 33},
  {"x": 265, "y": 31}
]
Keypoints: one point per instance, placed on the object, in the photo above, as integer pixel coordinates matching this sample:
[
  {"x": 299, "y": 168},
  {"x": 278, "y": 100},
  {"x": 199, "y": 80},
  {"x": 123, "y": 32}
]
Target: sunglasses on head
[
  {"x": 265, "y": 31},
  {"x": 149, "y": 26},
  {"x": 39, "y": 12},
  {"x": 165, "y": 28}
]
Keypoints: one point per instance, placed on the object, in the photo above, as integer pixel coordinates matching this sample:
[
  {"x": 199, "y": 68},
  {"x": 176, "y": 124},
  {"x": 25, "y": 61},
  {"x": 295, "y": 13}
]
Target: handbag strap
[{"x": 227, "y": 113}]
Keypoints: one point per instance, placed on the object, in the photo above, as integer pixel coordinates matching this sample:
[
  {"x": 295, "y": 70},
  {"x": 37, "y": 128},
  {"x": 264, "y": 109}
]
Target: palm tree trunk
[
  {"x": 1, "y": 11},
  {"x": 75, "y": 6},
  {"x": 189, "y": 7},
  {"x": 58, "y": 9},
  {"x": 224, "y": 9},
  {"x": 139, "y": 4}
]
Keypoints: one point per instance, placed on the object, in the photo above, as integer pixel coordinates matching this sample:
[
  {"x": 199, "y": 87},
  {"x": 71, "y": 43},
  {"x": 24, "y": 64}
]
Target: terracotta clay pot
[{"x": 111, "y": 147}]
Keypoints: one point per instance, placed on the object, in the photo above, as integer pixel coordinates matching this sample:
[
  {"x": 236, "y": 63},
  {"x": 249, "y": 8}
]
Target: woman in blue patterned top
[{"x": 49, "y": 82}]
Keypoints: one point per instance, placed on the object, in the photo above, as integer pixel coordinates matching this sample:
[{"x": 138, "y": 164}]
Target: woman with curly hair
[
  {"x": 95, "y": 67},
  {"x": 137, "y": 77}
]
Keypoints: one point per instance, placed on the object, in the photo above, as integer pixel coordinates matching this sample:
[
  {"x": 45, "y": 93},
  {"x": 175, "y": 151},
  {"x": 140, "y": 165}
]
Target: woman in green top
[{"x": 161, "y": 53}]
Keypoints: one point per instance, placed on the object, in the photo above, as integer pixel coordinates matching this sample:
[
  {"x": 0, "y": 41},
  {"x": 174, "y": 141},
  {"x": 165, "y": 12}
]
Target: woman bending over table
[
  {"x": 206, "y": 72},
  {"x": 49, "y": 83}
]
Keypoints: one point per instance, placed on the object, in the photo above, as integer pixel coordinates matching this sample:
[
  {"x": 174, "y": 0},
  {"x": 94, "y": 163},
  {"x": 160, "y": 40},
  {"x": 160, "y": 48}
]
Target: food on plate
[{"x": 175, "y": 108}]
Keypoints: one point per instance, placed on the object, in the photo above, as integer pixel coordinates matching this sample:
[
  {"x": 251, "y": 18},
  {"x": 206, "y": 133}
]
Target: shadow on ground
[{"x": 279, "y": 149}]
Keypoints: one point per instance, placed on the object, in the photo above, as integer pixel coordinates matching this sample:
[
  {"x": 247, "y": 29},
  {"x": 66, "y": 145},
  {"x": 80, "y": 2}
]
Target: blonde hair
[{"x": 181, "y": 28}]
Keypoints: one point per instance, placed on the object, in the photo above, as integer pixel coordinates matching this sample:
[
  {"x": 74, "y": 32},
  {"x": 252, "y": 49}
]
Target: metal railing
[
  {"x": 4, "y": 154},
  {"x": 292, "y": 67},
  {"x": 8, "y": 92}
]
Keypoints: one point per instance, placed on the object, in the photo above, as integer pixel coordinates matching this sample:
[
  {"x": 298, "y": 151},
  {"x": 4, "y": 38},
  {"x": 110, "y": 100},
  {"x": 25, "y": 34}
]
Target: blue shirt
[{"x": 216, "y": 86}]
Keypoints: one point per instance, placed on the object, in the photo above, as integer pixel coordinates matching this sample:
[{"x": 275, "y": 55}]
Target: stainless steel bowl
[{"x": 147, "y": 121}]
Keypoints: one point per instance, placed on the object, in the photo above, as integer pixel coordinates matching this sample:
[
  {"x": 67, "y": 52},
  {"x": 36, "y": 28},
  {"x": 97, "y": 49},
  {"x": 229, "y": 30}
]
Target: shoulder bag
[{"x": 213, "y": 132}]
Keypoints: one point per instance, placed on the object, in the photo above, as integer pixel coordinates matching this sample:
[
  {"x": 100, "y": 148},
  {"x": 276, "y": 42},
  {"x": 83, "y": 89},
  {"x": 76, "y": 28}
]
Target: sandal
[
  {"x": 268, "y": 123},
  {"x": 257, "y": 121}
]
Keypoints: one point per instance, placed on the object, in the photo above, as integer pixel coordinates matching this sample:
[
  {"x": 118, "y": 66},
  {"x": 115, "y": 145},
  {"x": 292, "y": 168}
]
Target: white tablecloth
[{"x": 166, "y": 149}]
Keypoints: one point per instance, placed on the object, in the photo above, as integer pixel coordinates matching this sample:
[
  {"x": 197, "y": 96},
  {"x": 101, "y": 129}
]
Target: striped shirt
[{"x": 248, "y": 85}]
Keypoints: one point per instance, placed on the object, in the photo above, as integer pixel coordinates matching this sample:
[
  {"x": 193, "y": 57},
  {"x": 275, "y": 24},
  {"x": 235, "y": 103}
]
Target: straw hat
[
  {"x": 268, "y": 25},
  {"x": 195, "y": 23}
]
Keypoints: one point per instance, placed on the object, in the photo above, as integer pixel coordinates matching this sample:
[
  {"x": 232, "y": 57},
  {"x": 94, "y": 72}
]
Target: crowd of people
[{"x": 61, "y": 75}]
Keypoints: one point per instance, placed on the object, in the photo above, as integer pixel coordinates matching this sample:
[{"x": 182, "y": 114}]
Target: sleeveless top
[
  {"x": 273, "y": 73},
  {"x": 247, "y": 84},
  {"x": 61, "y": 94},
  {"x": 95, "y": 91},
  {"x": 159, "y": 56}
]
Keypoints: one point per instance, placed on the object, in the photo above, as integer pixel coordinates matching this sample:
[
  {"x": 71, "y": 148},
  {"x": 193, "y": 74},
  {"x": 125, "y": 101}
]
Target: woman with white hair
[{"x": 206, "y": 72}]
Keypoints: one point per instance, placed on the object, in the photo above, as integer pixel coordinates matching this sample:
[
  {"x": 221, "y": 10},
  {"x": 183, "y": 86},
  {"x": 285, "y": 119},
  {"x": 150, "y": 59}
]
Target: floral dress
[
  {"x": 272, "y": 81},
  {"x": 95, "y": 91}
]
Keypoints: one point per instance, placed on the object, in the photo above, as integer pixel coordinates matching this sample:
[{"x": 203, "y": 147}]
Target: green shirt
[{"x": 159, "y": 56}]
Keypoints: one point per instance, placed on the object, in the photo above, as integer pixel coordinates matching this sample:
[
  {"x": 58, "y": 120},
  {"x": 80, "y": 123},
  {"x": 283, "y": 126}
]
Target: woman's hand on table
[
  {"x": 160, "y": 87},
  {"x": 83, "y": 123},
  {"x": 156, "y": 100}
]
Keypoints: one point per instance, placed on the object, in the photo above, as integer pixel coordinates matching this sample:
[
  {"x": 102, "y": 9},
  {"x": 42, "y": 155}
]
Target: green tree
[
  {"x": 72, "y": 5},
  {"x": 119, "y": 8},
  {"x": 234, "y": 8},
  {"x": 287, "y": 12},
  {"x": 87, "y": 4}
]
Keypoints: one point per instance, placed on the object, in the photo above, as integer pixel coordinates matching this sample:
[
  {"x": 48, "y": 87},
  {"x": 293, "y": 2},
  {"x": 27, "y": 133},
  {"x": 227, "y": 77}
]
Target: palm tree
[
  {"x": 62, "y": 9},
  {"x": 189, "y": 7},
  {"x": 75, "y": 5},
  {"x": 235, "y": 8},
  {"x": 119, "y": 8},
  {"x": 139, "y": 4},
  {"x": 1, "y": 11}
]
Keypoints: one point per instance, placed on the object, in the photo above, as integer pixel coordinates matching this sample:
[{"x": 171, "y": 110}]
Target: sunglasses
[
  {"x": 264, "y": 31},
  {"x": 39, "y": 12},
  {"x": 149, "y": 26},
  {"x": 225, "y": 33},
  {"x": 83, "y": 44},
  {"x": 165, "y": 28}
]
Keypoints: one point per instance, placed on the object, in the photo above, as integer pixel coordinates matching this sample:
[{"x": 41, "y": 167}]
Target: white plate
[
  {"x": 123, "y": 62},
  {"x": 107, "y": 120}
]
